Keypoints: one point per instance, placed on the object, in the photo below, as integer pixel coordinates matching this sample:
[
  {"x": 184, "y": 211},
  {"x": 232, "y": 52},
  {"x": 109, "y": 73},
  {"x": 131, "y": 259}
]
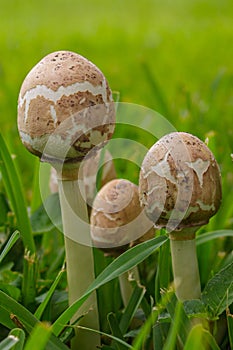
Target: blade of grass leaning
[
  {"x": 199, "y": 338},
  {"x": 9, "y": 342},
  {"x": 209, "y": 236},
  {"x": 116, "y": 332},
  {"x": 134, "y": 302},
  {"x": 160, "y": 332},
  {"x": 171, "y": 341},
  {"x": 132, "y": 306},
  {"x": 13, "y": 186},
  {"x": 11, "y": 241},
  {"x": 140, "y": 339},
  {"x": 30, "y": 271},
  {"x": 105, "y": 292},
  {"x": 162, "y": 278},
  {"x": 5, "y": 210},
  {"x": 184, "y": 322},
  {"x": 39, "y": 312},
  {"x": 25, "y": 318},
  {"x": 108, "y": 335},
  {"x": 162, "y": 104},
  {"x": 40, "y": 189},
  {"x": 18, "y": 333},
  {"x": 39, "y": 337},
  {"x": 120, "y": 265}
]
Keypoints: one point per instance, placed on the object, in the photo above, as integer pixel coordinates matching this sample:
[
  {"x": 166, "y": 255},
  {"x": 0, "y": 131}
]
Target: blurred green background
[{"x": 172, "y": 56}]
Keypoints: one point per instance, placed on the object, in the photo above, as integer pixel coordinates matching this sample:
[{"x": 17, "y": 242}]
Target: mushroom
[
  {"x": 117, "y": 221},
  {"x": 65, "y": 109},
  {"x": 180, "y": 189}
]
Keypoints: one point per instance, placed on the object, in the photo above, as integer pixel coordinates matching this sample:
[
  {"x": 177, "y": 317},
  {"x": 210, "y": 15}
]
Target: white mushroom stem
[
  {"x": 80, "y": 262},
  {"x": 185, "y": 266},
  {"x": 125, "y": 284}
]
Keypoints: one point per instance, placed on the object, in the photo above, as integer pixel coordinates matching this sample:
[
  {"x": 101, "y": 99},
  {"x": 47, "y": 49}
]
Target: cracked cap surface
[
  {"x": 68, "y": 97},
  {"x": 117, "y": 219},
  {"x": 180, "y": 182}
]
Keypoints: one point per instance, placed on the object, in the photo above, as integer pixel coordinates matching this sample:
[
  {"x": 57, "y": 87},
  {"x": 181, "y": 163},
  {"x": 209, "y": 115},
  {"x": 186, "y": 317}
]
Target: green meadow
[{"x": 174, "y": 57}]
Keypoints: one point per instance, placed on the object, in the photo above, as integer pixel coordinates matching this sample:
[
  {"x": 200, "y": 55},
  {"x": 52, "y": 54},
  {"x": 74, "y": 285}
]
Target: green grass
[{"x": 172, "y": 56}]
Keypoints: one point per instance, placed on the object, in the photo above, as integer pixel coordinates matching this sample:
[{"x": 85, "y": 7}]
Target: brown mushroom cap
[
  {"x": 68, "y": 97},
  {"x": 117, "y": 218},
  {"x": 180, "y": 182}
]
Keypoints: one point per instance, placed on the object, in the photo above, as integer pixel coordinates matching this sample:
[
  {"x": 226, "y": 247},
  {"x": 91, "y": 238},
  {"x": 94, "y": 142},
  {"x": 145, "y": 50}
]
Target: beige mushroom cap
[
  {"x": 117, "y": 218},
  {"x": 180, "y": 182},
  {"x": 65, "y": 108}
]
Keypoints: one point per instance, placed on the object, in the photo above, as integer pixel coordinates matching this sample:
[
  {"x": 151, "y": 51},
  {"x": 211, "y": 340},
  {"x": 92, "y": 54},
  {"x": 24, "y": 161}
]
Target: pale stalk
[
  {"x": 185, "y": 265},
  {"x": 125, "y": 285},
  {"x": 80, "y": 262}
]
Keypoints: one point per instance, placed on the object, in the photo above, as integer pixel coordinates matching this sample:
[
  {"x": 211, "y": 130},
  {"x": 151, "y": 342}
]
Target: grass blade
[
  {"x": 109, "y": 336},
  {"x": 14, "y": 190},
  {"x": 8, "y": 343},
  {"x": 200, "y": 338},
  {"x": 170, "y": 343},
  {"x": 132, "y": 307},
  {"x": 160, "y": 332},
  {"x": 39, "y": 337},
  {"x": 18, "y": 333},
  {"x": 139, "y": 341},
  {"x": 27, "y": 321},
  {"x": 12, "y": 240},
  {"x": 158, "y": 93},
  {"x": 209, "y": 236},
  {"x": 42, "y": 306},
  {"x": 184, "y": 322},
  {"x": 230, "y": 327},
  {"x": 106, "y": 292},
  {"x": 116, "y": 332},
  {"x": 30, "y": 271},
  {"x": 120, "y": 265}
]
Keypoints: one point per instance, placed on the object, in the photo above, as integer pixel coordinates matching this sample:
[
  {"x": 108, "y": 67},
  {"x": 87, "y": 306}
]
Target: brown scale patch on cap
[
  {"x": 68, "y": 97},
  {"x": 67, "y": 106},
  {"x": 115, "y": 206},
  {"x": 62, "y": 68},
  {"x": 39, "y": 121},
  {"x": 180, "y": 181}
]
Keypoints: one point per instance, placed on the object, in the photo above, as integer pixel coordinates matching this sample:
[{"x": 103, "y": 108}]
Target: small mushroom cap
[
  {"x": 66, "y": 100},
  {"x": 180, "y": 182},
  {"x": 117, "y": 218},
  {"x": 89, "y": 169}
]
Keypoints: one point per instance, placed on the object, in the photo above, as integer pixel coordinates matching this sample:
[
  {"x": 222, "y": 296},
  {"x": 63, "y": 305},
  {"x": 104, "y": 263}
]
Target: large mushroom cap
[
  {"x": 117, "y": 218},
  {"x": 65, "y": 99},
  {"x": 180, "y": 182}
]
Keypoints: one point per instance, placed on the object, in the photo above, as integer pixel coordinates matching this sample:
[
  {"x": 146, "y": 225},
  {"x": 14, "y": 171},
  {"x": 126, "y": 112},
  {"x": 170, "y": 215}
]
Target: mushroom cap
[
  {"x": 180, "y": 182},
  {"x": 65, "y": 108},
  {"x": 89, "y": 169},
  {"x": 117, "y": 218}
]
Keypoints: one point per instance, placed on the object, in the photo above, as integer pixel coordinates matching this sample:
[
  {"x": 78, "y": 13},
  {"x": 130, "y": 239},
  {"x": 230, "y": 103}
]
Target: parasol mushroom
[
  {"x": 180, "y": 189},
  {"x": 118, "y": 222},
  {"x": 65, "y": 109}
]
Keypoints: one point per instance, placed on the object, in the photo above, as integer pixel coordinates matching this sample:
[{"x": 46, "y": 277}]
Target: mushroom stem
[
  {"x": 185, "y": 267},
  {"x": 125, "y": 285},
  {"x": 80, "y": 262}
]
